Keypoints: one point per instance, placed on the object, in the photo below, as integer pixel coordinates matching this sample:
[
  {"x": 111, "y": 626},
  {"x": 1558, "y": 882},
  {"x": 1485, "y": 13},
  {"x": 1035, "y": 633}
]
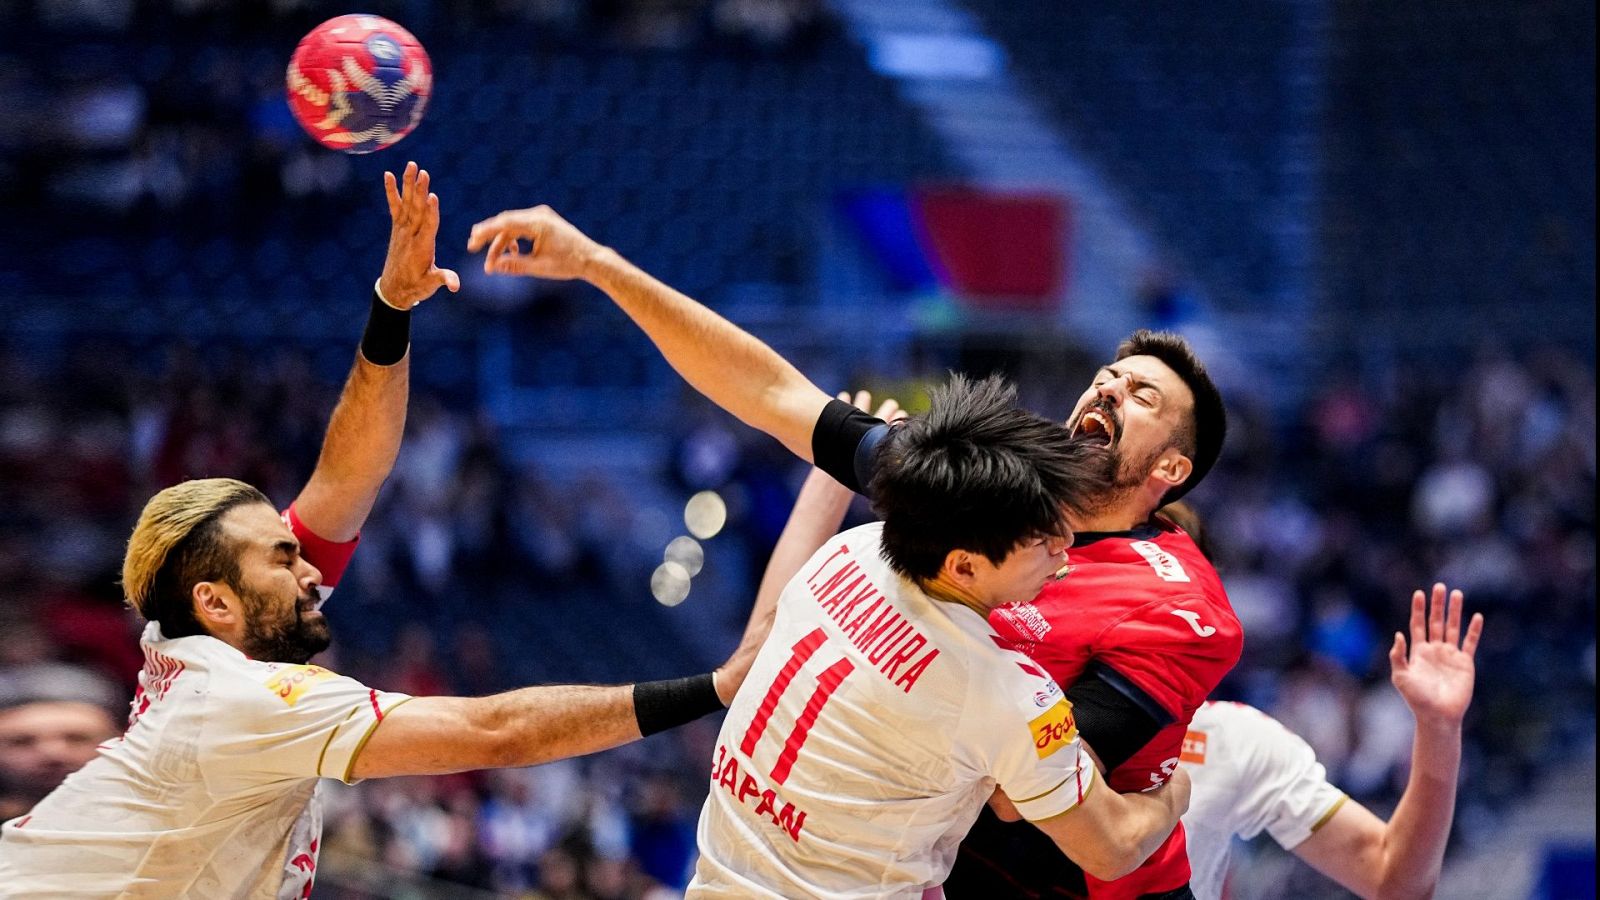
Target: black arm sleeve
[
  {"x": 659, "y": 705},
  {"x": 845, "y": 442},
  {"x": 1115, "y": 718}
]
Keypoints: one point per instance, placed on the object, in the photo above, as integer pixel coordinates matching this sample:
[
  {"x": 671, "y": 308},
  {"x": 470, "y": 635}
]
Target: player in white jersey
[
  {"x": 975, "y": 498},
  {"x": 881, "y": 712},
  {"x": 1251, "y": 774},
  {"x": 211, "y": 791}
]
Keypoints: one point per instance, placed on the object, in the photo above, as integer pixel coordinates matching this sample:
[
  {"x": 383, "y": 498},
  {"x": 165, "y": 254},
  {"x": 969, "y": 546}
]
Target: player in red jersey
[{"x": 1159, "y": 634}]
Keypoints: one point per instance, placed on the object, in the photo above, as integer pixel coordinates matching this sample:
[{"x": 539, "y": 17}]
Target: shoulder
[
  {"x": 253, "y": 690},
  {"x": 1010, "y": 684},
  {"x": 1250, "y": 739}
]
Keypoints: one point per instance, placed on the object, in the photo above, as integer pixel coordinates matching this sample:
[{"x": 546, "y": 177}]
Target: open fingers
[
  {"x": 890, "y": 411},
  {"x": 1397, "y": 653},
  {"x": 419, "y": 196},
  {"x": 1469, "y": 646},
  {"x": 448, "y": 278},
  {"x": 1436, "y": 614},
  {"x": 1419, "y": 630},
  {"x": 428, "y": 229},
  {"x": 1452, "y": 620},
  {"x": 391, "y": 193}
]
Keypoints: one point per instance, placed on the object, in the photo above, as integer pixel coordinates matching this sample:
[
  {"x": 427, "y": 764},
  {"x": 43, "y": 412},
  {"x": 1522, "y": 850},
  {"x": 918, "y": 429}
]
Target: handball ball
[{"x": 359, "y": 83}]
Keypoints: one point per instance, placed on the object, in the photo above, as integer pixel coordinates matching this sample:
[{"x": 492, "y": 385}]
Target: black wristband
[
  {"x": 388, "y": 333},
  {"x": 844, "y": 442},
  {"x": 659, "y": 705}
]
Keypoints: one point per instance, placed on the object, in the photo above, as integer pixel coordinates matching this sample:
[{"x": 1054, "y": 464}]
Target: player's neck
[
  {"x": 1122, "y": 517},
  {"x": 947, "y": 591}
]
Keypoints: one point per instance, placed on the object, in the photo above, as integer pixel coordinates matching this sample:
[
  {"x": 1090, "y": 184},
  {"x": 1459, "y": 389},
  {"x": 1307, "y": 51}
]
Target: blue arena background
[{"x": 1376, "y": 221}]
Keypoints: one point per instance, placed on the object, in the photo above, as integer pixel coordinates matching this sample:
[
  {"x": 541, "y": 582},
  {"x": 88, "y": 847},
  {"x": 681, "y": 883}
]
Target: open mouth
[{"x": 1095, "y": 426}]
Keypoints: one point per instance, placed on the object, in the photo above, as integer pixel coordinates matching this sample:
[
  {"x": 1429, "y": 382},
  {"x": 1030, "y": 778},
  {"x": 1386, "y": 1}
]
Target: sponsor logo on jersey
[
  {"x": 1047, "y": 695},
  {"x": 1026, "y": 619},
  {"x": 1166, "y": 565},
  {"x": 1194, "y": 747},
  {"x": 1054, "y": 729},
  {"x": 1193, "y": 618},
  {"x": 291, "y": 682}
]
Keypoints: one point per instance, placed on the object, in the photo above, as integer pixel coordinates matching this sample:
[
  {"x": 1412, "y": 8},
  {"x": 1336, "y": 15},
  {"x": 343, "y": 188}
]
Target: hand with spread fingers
[
  {"x": 1437, "y": 677},
  {"x": 410, "y": 275},
  {"x": 556, "y": 249}
]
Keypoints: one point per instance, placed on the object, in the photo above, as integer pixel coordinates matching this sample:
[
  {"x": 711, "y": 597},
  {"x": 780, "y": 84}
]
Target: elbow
[
  {"x": 1117, "y": 858},
  {"x": 1110, "y": 867},
  {"x": 498, "y": 743},
  {"x": 1399, "y": 889},
  {"x": 1124, "y": 851}
]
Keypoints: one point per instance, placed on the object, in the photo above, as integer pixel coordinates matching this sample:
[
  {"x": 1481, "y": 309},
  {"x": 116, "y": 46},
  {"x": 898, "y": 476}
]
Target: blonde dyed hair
[{"x": 167, "y": 521}]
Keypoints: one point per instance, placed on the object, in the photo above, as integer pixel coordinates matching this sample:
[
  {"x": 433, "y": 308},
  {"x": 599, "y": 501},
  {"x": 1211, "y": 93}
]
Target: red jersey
[{"x": 1149, "y": 605}]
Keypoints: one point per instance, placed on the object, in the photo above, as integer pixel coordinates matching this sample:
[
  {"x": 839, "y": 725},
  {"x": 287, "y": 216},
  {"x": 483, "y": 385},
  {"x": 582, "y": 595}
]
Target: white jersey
[
  {"x": 210, "y": 793},
  {"x": 874, "y": 725},
  {"x": 1248, "y": 774}
]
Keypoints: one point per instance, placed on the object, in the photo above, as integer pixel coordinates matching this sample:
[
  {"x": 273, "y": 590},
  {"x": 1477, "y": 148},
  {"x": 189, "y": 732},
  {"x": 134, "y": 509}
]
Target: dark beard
[
  {"x": 1116, "y": 479},
  {"x": 294, "y": 640}
]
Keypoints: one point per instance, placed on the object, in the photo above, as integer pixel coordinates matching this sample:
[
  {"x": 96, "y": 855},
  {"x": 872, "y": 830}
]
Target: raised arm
[
  {"x": 730, "y": 367},
  {"x": 817, "y": 513},
  {"x": 1402, "y": 858},
  {"x": 364, "y": 431}
]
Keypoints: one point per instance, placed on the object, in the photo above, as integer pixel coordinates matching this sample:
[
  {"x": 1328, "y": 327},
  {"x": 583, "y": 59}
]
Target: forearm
[
  {"x": 359, "y": 450},
  {"x": 539, "y": 724},
  {"x": 816, "y": 516},
  {"x": 1111, "y": 834},
  {"x": 1414, "y": 839},
  {"x": 817, "y": 513},
  {"x": 730, "y": 367},
  {"x": 1147, "y": 820}
]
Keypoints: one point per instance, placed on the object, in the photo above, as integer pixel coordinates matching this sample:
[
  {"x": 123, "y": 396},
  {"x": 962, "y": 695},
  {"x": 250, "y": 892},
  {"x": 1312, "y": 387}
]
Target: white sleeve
[
  {"x": 1020, "y": 729},
  {"x": 1285, "y": 790},
  {"x": 294, "y": 722}
]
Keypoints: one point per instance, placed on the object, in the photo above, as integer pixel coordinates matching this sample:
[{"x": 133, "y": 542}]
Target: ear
[
  {"x": 959, "y": 567},
  {"x": 1173, "y": 468},
  {"x": 215, "y": 604}
]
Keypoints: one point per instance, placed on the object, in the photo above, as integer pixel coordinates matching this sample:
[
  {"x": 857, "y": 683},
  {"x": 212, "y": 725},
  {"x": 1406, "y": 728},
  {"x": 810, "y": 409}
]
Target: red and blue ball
[{"x": 359, "y": 83}]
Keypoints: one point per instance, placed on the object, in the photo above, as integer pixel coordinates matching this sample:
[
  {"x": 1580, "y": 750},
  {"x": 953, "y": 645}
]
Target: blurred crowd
[
  {"x": 1478, "y": 472},
  {"x": 475, "y": 569},
  {"x": 189, "y": 118}
]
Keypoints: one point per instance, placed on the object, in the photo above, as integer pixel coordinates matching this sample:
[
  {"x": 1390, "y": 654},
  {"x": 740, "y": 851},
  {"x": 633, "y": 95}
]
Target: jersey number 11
[{"x": 827, "y": 683}]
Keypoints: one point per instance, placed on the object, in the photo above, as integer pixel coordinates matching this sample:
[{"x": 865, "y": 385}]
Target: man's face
[
  {"x": 1134, "y": 407},
  {"x": 1024, "y": 571},
  {"x": 43, "y": 743},
  {"x": 277, "y": 588}
]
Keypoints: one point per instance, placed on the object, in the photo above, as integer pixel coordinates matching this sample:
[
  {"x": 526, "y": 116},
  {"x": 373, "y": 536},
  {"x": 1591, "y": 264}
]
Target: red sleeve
[
  {"x": 1176, "y": 649},
  {"x": 329, "y": 557}
]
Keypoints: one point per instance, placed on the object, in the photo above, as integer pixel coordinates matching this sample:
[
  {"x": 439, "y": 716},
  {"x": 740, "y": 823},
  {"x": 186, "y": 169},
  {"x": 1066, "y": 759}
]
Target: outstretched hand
[
  {"x": 1436, "y": 679},
  {"x": 556, "y": 249},
  {"x": 409, "y": 274}
]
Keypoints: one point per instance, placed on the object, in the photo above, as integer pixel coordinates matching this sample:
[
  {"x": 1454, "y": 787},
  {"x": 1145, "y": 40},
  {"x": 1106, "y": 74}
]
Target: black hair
[
  {"x": 976, "y": 473},
  {"x": 1201, "y": 437}
]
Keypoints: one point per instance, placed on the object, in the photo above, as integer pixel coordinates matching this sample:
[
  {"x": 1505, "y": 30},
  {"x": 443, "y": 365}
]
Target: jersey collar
[{"x": 1145, "y": 532}]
